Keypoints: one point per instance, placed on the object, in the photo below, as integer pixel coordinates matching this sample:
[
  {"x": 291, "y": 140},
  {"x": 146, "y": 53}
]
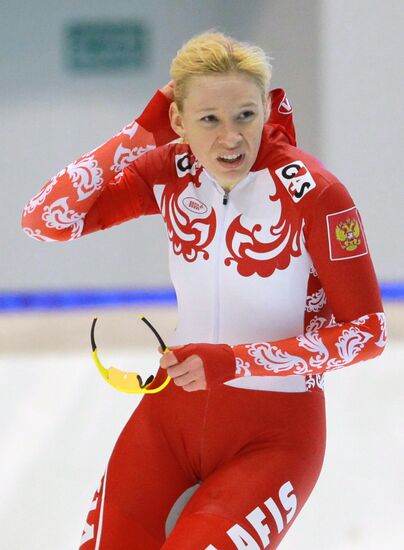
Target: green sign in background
[{"x": 105, "y": 46}]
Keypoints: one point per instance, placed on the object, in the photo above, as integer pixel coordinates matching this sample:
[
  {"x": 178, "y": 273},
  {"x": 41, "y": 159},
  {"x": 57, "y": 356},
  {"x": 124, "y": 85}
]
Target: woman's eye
[
  {"x": 209, "y": 118},
  {"x": 246, "y": 115}
]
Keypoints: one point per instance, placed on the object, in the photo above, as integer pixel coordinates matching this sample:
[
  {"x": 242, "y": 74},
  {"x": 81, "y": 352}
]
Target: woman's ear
[{"x": 176, "y": 120}]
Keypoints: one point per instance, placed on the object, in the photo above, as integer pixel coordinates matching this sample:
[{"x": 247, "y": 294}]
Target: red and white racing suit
[{"x": 275, "y": 286}]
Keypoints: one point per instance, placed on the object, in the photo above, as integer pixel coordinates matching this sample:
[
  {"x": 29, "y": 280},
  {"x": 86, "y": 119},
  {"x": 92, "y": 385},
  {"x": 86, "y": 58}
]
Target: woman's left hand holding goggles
[
  {"x": 188, "y": 374},
  {"x": 199, "y": 366}
]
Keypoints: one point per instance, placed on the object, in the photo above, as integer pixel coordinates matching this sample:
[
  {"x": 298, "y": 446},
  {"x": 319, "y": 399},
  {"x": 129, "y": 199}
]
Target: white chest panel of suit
[{"x": 215, "y": 303}]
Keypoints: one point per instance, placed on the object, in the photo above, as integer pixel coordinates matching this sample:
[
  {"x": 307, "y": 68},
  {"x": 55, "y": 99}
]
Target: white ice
[{"x": 60, "y": 421}]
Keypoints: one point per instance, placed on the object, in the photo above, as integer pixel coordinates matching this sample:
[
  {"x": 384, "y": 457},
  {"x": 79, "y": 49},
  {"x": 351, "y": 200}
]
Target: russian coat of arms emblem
[{"x": 348, "y": 233}]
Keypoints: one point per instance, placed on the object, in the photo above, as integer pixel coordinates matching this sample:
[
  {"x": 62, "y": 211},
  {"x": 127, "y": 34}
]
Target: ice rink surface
[{"x": 60, "y": 421}]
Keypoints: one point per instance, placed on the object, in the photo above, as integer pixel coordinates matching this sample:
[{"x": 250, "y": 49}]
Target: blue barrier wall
[{"x": 82, "y": 299}]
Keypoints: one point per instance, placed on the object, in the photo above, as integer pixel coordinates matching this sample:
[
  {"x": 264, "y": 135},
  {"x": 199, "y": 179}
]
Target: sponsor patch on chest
[
  {"x": 194, "y": 205},
  {"x": 297, "y": 179},
  {"x": 346, "y": 238}
]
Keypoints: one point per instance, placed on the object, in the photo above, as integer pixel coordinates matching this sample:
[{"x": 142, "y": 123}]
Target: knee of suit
[
  {"x": 206, "y": 531},
  {"x": 199, "y": 531}
]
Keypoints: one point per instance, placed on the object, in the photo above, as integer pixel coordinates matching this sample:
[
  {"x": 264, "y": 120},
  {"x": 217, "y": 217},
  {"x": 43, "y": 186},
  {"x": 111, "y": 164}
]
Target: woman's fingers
[
  {"x": 168, "y": 359},
  {"x": 196, "y": 385},
  {"x": 189, "y": 374},
  {"x": 189, "y": 366},
  {"x": 183, "y": 379}
]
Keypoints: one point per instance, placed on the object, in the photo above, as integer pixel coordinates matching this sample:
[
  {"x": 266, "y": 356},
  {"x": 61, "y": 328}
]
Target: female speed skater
[{"x": 275, "y": 287}]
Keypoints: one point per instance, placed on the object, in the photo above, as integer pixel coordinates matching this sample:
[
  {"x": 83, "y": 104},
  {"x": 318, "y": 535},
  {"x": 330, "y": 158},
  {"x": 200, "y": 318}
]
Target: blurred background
[{"x": 72, "y": 75}]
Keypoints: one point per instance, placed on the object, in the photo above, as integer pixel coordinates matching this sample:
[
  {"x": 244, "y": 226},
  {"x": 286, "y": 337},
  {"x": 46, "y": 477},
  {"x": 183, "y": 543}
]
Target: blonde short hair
[{"x": 215, "y": 52}]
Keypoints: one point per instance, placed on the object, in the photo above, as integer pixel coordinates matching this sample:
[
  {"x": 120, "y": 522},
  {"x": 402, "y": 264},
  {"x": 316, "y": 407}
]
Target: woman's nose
[{"x": 230, "y": 137}]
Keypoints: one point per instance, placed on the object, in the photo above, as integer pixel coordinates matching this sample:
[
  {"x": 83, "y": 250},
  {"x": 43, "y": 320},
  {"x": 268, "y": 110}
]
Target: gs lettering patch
[
  {"x": 184, "y": 165},
  {"x": 346, "y": 238},
  {"x": 297, "y": 179}
]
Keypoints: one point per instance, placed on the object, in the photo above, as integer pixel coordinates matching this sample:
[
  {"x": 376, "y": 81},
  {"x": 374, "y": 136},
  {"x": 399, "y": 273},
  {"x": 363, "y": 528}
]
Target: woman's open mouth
[{"x": 231, "y": 161}]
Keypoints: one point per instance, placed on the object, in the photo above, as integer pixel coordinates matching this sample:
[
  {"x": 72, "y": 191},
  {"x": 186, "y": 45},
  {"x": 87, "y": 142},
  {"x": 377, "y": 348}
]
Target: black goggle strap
[{"x": 157, "y": 335}]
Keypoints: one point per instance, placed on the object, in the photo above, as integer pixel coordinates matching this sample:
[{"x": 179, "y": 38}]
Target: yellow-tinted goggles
[{"x": 128, "y": 382}]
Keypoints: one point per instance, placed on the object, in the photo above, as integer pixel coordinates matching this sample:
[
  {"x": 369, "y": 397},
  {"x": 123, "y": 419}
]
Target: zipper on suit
[{"x": 220, "y": 235}]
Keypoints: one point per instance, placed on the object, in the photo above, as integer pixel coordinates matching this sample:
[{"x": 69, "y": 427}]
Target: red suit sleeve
[
  {"x": 105, "y": 187},
  {"x": 337, "y": 245}
]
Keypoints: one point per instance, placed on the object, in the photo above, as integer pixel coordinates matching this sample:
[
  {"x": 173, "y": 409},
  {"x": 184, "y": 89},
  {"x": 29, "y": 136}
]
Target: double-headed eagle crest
[{"x": 348, "y": 233}]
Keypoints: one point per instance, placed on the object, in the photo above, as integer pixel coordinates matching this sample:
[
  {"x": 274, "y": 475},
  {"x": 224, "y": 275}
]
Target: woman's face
[{"x": 222, "y": 120}]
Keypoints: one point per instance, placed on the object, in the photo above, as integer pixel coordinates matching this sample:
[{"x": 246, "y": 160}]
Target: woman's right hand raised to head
[{"x": 168, "y": 90}]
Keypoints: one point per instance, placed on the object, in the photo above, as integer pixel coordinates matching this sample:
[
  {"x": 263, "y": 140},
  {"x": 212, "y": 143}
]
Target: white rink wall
[
  {"x": 61, "y": 420},
  {"x": 339, "y": 62}
]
